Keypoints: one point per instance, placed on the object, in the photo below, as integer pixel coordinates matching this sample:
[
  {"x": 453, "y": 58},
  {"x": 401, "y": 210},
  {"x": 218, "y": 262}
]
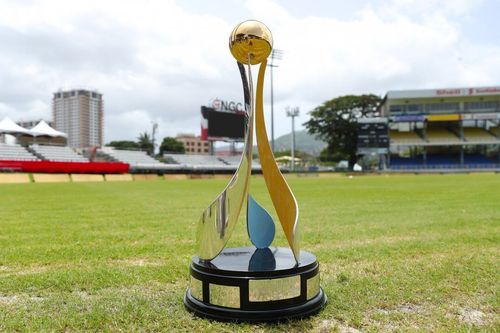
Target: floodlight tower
[
  {"x": 292, "y": 113},
  {"x": 153, "y": 134},
  {"x": 275, "y": 55}
]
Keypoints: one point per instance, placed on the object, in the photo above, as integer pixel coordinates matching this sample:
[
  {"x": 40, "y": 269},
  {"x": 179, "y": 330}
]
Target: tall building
[{"x": 79, "y": 113}]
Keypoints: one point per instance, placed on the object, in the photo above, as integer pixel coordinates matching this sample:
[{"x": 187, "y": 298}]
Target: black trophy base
[{"x": 255, "y": 285}]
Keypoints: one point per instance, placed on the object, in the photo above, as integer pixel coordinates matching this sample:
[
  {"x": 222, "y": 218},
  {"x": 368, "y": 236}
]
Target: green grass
[{"x": 397, "y": 253}]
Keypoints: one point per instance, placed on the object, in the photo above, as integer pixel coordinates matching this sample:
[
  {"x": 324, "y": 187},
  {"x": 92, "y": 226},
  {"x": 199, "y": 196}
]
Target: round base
[{"x": 249, "y": 284}]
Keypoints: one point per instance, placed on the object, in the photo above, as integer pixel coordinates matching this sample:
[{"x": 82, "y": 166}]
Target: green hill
[{"x": 303, "y": 141}]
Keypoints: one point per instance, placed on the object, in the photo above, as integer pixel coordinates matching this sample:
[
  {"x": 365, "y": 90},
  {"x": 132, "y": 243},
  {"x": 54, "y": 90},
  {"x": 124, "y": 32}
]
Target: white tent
[
  {"x": 7, "y": 126},
  {"x": 43, "y": 129}
]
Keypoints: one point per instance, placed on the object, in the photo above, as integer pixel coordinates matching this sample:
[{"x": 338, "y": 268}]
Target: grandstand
[
  {"x": 199, "y": 162},
  {"x": 234, "y": 160},
  {"x": 57, "y": 153},
  {"x": 479, "y": 135},
  {"x": 207, "y": 162},
  {"x": 443, "y": 128},
  {"x": 15, "y": 153},
  {"x": 441, "y": 136},
  {"x": 139, "y": 161},
  {"x": 404, "y": 138}
]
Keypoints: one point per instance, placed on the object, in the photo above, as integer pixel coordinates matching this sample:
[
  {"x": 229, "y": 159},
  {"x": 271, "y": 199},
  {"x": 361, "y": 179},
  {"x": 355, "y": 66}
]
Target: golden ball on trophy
[{"x": 251, "y": 42}]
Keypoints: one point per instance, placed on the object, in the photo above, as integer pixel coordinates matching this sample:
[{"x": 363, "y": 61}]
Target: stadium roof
[
  {"x": 7, "y": 126},
  {"x": 42, "y": 128},
  {"x": 444, "y": 92}
]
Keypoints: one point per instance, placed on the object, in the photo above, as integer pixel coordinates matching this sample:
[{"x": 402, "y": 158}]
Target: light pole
[
  {"x": 293, "y": 113},
  {"x": 155, "y": 128},
  {"x": 278, "y": 55}
]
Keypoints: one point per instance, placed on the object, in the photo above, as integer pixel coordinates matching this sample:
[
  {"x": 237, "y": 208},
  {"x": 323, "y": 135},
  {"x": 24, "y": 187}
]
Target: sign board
[
  {"x": 443, "y": 117},
  {"x": 445, "y": 92},
  {"x": 222, "y": 125}
]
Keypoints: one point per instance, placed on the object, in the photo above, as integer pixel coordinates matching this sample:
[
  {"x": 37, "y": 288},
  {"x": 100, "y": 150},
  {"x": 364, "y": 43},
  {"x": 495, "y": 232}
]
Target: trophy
[{"x": 262, "y": 282}]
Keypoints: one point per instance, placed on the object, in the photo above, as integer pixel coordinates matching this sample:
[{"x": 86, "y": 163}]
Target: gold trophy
[{"x": 258, "y": 283}]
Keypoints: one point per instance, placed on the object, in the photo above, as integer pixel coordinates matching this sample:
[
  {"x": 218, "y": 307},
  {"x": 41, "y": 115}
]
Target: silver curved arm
[{"x": 219, "y": 219}]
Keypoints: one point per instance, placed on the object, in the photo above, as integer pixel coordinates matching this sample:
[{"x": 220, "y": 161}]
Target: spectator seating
[
  {"x": 199, "y": 162},
  {"x": 442, "y": 161},
  {"x": 231, "y": 160},
  {"x": 15, "y": 153},
  {"x": 404, "y": 163},
  {"x": 57, "y": 153},
  {"x": 441, "y": 135},
  {"x": 235, "y": 160},
  {"x": 402, "y": 138},
  {"x": 478, "y": 135},
  {"x": 138, "y": 160}
]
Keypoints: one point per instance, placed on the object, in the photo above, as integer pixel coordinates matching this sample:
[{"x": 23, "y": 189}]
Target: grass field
[{"x": 397, "y": 253}]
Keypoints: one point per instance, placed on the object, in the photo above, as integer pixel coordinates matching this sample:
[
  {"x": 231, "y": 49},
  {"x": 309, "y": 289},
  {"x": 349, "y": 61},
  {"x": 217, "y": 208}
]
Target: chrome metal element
[
  {"x": 250, "y": 43},
  {"x": 218, "y": 220},
  {"x": 313, "y": 286},
  {"x": 228, "y": 296},
  {"x": 196, "y": 287},
  {"x": 274, "y": 289}
]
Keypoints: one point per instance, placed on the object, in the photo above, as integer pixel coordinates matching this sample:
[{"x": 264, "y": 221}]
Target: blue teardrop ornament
[{"x": 260, "y": 225}]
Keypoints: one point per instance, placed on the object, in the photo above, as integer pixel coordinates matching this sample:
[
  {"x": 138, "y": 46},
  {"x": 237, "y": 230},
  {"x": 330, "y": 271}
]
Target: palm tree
[{"x": 145, "y": 143}]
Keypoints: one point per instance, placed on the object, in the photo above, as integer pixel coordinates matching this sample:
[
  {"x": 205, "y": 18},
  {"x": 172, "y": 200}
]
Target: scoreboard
[
  {"x": 222, "y": 125},
  {"x": 373, "y": 135}
]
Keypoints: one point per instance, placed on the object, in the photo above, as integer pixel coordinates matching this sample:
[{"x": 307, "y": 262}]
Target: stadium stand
[
  {"x": 57, "y": 153},
  {"x": 198, "y": 162},
  {"x": 235, "y": 161},
  {"x": 443, "y": 162},
  {"x": 231, "y": 160},
  {"x": 478, "y": 135},
  {"x": 459, "y": 127},
  {"x": 401, "y": 138},
  {"x": 478, "y": 161},
  {"x": 139, "y": 161},
  {"x": 15, "y": 153},
  {"x": 441, "y": 136},
  {"x": 404, "y": 163}
]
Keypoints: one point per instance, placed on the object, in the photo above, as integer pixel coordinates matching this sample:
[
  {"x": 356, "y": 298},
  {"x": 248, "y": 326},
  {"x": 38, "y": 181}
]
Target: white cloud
[{"x": 158, "y": 61}]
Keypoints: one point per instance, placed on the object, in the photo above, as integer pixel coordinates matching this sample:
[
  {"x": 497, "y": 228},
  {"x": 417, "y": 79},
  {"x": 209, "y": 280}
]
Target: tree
[
  {"x": 171, "y": 145},
  {"x": 145, "y": 143},
  {"x": 124, "y": 144},
  {"x": 335, "y": 123}
]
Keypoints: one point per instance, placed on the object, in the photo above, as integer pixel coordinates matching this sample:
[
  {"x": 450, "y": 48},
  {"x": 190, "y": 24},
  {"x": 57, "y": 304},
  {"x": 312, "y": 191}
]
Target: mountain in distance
[{"x": 303, "y": 142}]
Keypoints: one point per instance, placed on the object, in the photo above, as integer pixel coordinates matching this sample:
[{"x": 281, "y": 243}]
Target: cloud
[{"x": 160, "y": 60}]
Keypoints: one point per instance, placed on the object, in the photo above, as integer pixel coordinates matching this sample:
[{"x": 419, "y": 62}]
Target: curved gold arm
[
  {"x": 283, "y": 199},
  {"x": 219, "y": 219}
]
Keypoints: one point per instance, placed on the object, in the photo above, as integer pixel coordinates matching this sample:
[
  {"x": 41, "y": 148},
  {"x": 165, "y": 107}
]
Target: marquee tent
[
  {"x": 43, "y": 129},
  {"x": 7, "y": 126}
]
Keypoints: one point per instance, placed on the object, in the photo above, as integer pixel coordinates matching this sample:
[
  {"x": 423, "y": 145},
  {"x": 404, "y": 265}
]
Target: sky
[{"x": 159, "y": 61}]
